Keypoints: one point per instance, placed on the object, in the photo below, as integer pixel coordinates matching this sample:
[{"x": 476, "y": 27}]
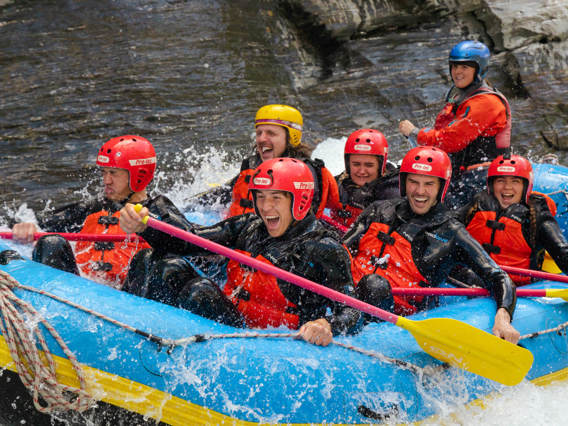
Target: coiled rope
[{"x": 20, "y": 325}]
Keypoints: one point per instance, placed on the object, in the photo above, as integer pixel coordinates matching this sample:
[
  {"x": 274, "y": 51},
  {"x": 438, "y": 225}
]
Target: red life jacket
[
  {"x": 484, "y": 148},
  {"x": 503, "y": 239},
  {"x": 258, "y": 297},
  {"x": 398, "y": 268},
  {"x": 105, "y": 262},
  {"x": 241, "y": 202}
]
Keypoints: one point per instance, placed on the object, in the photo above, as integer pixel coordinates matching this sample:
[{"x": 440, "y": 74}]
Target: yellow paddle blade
[
  {"x": 462, "y": 345},
  {"x": 557, "y": 292},
  {"x": 549, "y": 265}
]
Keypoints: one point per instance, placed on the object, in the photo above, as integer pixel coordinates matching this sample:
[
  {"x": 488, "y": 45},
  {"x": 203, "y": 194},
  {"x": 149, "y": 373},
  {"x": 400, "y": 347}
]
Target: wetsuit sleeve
[
  {"x": 356, "y": 232},
  {"x": 482, "y": 114},
  {"x": 470, "y": 253},
  {"x": 328, "y": 263},
  {"x": 69, "y": 218},
  {"x": 225, "y": 233},
  {"x": 549, "y": 235},
  {"x": 162, "y": 208}
]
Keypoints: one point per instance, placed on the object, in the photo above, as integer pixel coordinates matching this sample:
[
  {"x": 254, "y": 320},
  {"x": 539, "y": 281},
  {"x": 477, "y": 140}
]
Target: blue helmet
[{"x": 472, "y": 51}]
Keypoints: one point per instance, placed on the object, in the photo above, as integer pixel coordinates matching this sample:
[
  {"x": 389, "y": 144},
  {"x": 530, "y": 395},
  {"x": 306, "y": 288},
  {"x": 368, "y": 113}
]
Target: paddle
[
  {"x": 521, "y": 292},
  {"x": 535, "y": 274},
  {"x": 448, "y": 340},
  {"x": 70, "y": 236}
]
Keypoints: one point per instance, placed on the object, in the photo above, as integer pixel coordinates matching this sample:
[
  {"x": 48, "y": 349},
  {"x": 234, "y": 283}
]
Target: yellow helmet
[{"x": 282, "y": 115}]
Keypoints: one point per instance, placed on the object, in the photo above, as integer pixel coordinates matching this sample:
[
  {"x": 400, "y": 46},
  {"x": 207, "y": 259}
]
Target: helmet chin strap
[{"x": 127, "y": 198}]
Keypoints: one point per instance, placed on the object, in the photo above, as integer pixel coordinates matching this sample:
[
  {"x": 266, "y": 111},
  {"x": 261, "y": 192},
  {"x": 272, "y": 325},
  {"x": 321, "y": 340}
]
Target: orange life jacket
[
  {"x": 258, "y": 297},
  {"x": 503, "y": 239},
  {"x": 241, "y": 202},
  {"x": 390, "y": 256},
  {"x": 329, "y": 192},
  {"x": 105, "y": 261}
]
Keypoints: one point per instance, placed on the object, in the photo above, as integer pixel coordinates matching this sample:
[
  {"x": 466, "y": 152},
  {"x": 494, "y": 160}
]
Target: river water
[{"x": 189, "y": 76}]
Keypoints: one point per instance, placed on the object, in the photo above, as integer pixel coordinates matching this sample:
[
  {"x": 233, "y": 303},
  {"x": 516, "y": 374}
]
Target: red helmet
[
  {"x": 367, "y": 142},
  {"x": 289, "y": 175},
  {"x": 132, "y": 153},
  {"x": 428, "y": 161},
  {"x": 514, "y": 166}
]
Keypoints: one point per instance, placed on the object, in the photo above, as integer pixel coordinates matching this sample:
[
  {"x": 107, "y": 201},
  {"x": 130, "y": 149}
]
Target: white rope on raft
[
  {"x": 172, "y": 343},
  {"x": 20, "y": 325}
]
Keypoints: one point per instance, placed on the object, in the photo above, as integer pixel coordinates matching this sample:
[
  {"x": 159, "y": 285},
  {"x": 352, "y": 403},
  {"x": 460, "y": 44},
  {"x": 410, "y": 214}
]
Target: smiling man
[
  {"x": 127, "y": 164},
  {"x": 416, "y": 242},
  {"x": 278, "y": 130},
  {"x": 283, "y": 232}
]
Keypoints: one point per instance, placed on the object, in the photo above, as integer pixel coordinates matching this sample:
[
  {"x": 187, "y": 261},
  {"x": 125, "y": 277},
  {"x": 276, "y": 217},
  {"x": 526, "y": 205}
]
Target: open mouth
[
  {"x": 272, "y": 221},
  {"x": 420, "y": 201},
  {"x": 507, "y": 197}
]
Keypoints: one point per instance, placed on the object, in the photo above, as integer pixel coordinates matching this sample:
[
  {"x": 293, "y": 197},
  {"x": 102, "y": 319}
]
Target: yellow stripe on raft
[
  {"x": 164, "y": 407},
  {"x": 130, "y": 395}
]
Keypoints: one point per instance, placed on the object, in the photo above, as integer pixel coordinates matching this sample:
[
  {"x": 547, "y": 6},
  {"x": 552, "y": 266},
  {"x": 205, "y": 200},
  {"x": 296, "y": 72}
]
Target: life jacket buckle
[
  {"x": 102, "y": 266},
  {"x": 386, "y": 238},
  {"x": 108, "y": 220},
  {"x": 103, "y": 245},
  {"x": 494, "y": 224}
]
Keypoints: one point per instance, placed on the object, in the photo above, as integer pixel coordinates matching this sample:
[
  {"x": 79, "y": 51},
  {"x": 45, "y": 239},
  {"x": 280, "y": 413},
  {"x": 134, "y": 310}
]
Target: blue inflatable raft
[{"x": 154, "y": 362}]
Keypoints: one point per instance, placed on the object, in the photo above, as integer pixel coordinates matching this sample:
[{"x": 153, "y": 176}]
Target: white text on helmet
[
  {"x": 262, "y": 181},
  {"x": 506, "y": 169},
  {"x": 422, "y": 167},
  {"x": 304, "y": 185},
  {"x": 103, "y": 159},
  {"x": 142, "y": 161},
  {"x": 362, "y": 147}
]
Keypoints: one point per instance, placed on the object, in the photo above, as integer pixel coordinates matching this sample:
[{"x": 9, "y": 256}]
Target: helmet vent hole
[
  {"x": 417, "y": 158},
  {"x": 430, "y": 159}
]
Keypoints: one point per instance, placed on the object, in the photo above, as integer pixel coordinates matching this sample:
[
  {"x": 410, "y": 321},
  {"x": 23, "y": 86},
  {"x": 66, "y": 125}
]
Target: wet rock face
[{"x": 528, "y": 40}]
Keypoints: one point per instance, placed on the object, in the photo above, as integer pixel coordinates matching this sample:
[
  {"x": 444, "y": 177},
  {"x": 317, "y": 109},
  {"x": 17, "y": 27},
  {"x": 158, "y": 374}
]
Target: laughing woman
[{"x": 514, "y": 225}]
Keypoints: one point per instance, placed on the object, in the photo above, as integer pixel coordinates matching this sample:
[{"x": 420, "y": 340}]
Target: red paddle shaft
[{"x": 70, "y": 236}]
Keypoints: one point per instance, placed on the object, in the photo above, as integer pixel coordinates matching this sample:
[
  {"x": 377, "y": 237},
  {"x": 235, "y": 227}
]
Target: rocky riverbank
[{"x": 529, "y": 41}]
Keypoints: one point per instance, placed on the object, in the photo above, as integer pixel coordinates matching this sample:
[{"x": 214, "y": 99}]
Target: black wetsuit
[
  {"x": 439, "y": 242},
  {"x": 306, "y": 249}
]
